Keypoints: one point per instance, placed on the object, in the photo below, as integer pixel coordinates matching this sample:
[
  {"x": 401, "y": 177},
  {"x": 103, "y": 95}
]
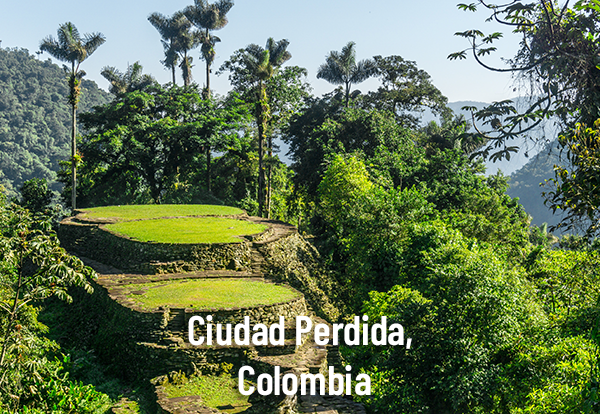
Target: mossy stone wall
[
  {"x": 95, "y": 242},
  {"x": 145, "y": 344}
]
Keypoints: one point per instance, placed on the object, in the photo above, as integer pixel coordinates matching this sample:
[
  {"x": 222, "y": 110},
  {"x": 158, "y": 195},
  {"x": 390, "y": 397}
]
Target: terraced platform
[{"x": 154, "y": 288}]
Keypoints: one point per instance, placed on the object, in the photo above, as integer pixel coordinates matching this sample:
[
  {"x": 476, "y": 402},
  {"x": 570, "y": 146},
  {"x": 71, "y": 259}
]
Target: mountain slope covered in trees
[
  {"x": 35, "y": 117},
  {"x": 527, "y": 184}
]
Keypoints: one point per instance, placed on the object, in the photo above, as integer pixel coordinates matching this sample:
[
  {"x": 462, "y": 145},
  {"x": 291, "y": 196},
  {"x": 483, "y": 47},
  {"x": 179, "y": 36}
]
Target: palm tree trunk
[
  {"x": 73, "y": 160},
  {"x": 261, "y": 171},
  {"x": 208, "y": 169},
  {"x": 207, "y": 70},
  {"x": 262, "y": 128},
  {"x": 74, "y": 97},
  {"x": 207, "y": 94},
  {"x": 269, "y": 175},
  {"x": 347, "y": 94},
  {"x": 185, "y": 69}
]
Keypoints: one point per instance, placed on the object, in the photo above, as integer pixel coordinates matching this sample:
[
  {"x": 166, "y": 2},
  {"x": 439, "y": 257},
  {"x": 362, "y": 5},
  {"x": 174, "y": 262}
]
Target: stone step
[
  {"x": 309, "y": 356},
  {"x": 288, "y": 348}
]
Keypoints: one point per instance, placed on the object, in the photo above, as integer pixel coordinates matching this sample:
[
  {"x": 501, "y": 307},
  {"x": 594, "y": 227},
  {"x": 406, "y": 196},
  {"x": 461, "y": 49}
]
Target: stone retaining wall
[
  {"x": 95, "y": 242},
  {"x": 145, "y": 344}
]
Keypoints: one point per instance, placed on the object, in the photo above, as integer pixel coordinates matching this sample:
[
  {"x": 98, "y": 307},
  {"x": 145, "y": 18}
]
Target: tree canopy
[{"x": 35, "y": 118}]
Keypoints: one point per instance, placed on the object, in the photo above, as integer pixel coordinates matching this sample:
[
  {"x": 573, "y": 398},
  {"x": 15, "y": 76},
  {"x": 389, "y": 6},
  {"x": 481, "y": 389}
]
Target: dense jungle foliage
[
  {"x": 503, "y": 317},
  {"x": 34, "y": 118}
]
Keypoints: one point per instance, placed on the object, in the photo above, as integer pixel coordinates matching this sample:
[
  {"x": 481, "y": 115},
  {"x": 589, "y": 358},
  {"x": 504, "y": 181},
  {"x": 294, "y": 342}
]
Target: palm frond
[
  {"x": 224, "y": 6},
  {"x": 331, "y": 71},
  {"x": 68, "y": 34},
  {"x": 362, "y": 71},
  {"x": 51, "y": 45},
  {"x": 92, "y": 41},
  {"x": 69, "y": 46},
  {"x": 278, "y": 51}
]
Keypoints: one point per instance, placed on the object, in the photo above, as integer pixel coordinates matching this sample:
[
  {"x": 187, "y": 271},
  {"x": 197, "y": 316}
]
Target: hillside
[
  {"x": 35, "y": 117},
  {"x": 525, "y": 184}
]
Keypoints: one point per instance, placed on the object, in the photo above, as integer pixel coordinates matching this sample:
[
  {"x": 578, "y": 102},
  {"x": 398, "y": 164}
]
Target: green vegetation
[
  {"x": 208, "y": 17},
  {"x": 575, "y": 187},
  {"x": 33, "y": 267},
  {"x": 154, "y": 145},
  {"x": 216, "y": 392},
  {"x": 258, "y": 66},
  {"x": 187, "y": 230},
  {"x": 150, "y": 211},
  {"x": 211, "y": 294},
  {"x": 406, "y": 224},
  {"x": 35, "y": 118},
  {"x": 341, "y": 68}
]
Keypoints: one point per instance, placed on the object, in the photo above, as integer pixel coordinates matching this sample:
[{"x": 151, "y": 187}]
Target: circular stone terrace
[
  {"x": 200, "y": 257},
  {"x": 170, "y": 238},
  {"x": 177, "y": 224}
]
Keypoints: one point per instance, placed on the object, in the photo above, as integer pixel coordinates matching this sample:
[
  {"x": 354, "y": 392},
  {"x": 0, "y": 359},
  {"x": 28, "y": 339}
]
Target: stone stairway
[{"x": 257, "y": 258}]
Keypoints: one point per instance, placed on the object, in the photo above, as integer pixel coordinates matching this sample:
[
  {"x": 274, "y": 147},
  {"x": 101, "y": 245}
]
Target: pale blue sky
[{"x": 418, "y": 30}]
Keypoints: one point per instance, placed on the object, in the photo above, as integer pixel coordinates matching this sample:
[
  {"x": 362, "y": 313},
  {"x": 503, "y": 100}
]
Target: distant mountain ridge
[
  {"x": 35, "y": 118},
  {"x": 529, "y": 182}
]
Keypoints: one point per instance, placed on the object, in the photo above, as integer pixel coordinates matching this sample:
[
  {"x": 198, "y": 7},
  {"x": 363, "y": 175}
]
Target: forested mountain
[
  {"x": 35, "y": 117},
  {"x": 526, "y": 183}
]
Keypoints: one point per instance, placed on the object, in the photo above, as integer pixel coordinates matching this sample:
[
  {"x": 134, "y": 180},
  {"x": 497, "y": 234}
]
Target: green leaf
[
  {"x": 467, "y": 7},
  {"x": 458, "y": 55}
]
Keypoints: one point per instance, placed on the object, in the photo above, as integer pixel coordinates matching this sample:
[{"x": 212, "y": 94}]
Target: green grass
[
  {"x": 159, "y": 210},
  {"x": 210, "y": 293},
  {"x": 216, "y": 392},
  {"x": 187, "y": 230}
]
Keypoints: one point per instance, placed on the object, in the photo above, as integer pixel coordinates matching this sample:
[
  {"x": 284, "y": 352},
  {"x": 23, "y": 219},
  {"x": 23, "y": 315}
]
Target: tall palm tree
[
  {"x": 208, "y": 17},
  {"x": 177, "y": 39},
  {"x": 131, "y": 80},
  {"x": 70, "y": 47},
  {"x": 262, "y": 64},
  {"x": 340, "y": 68}
]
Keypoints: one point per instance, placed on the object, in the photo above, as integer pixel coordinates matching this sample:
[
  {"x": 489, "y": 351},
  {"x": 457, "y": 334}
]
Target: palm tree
[
  {"x": 177, "y": 40},
  {"x": 131, "y": 80},
  {"x": 262, "y": 64},
  {"x": 71, "y": 47},
  {"x": 208, "y": 17},
  {"x": 340, "y": 68}
]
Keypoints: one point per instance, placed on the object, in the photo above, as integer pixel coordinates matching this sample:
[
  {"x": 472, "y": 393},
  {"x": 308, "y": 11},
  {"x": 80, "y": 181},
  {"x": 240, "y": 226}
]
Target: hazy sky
[{"x": 417, "y": 30}]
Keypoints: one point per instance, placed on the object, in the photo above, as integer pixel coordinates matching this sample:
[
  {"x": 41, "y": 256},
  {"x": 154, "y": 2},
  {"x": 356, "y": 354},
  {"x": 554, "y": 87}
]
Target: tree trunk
[
  {"x": 74, "y": 141},
  {"x": 185, "y": 69},
  {"x": 74, "y": 161},
  {"x": 208, "y": 169},
  {"x": 262, "y": 109},
  {"x": 347, "y": 94},
  {"x": 269, "y": 175},
  {"x": 207, "y": 93}
]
